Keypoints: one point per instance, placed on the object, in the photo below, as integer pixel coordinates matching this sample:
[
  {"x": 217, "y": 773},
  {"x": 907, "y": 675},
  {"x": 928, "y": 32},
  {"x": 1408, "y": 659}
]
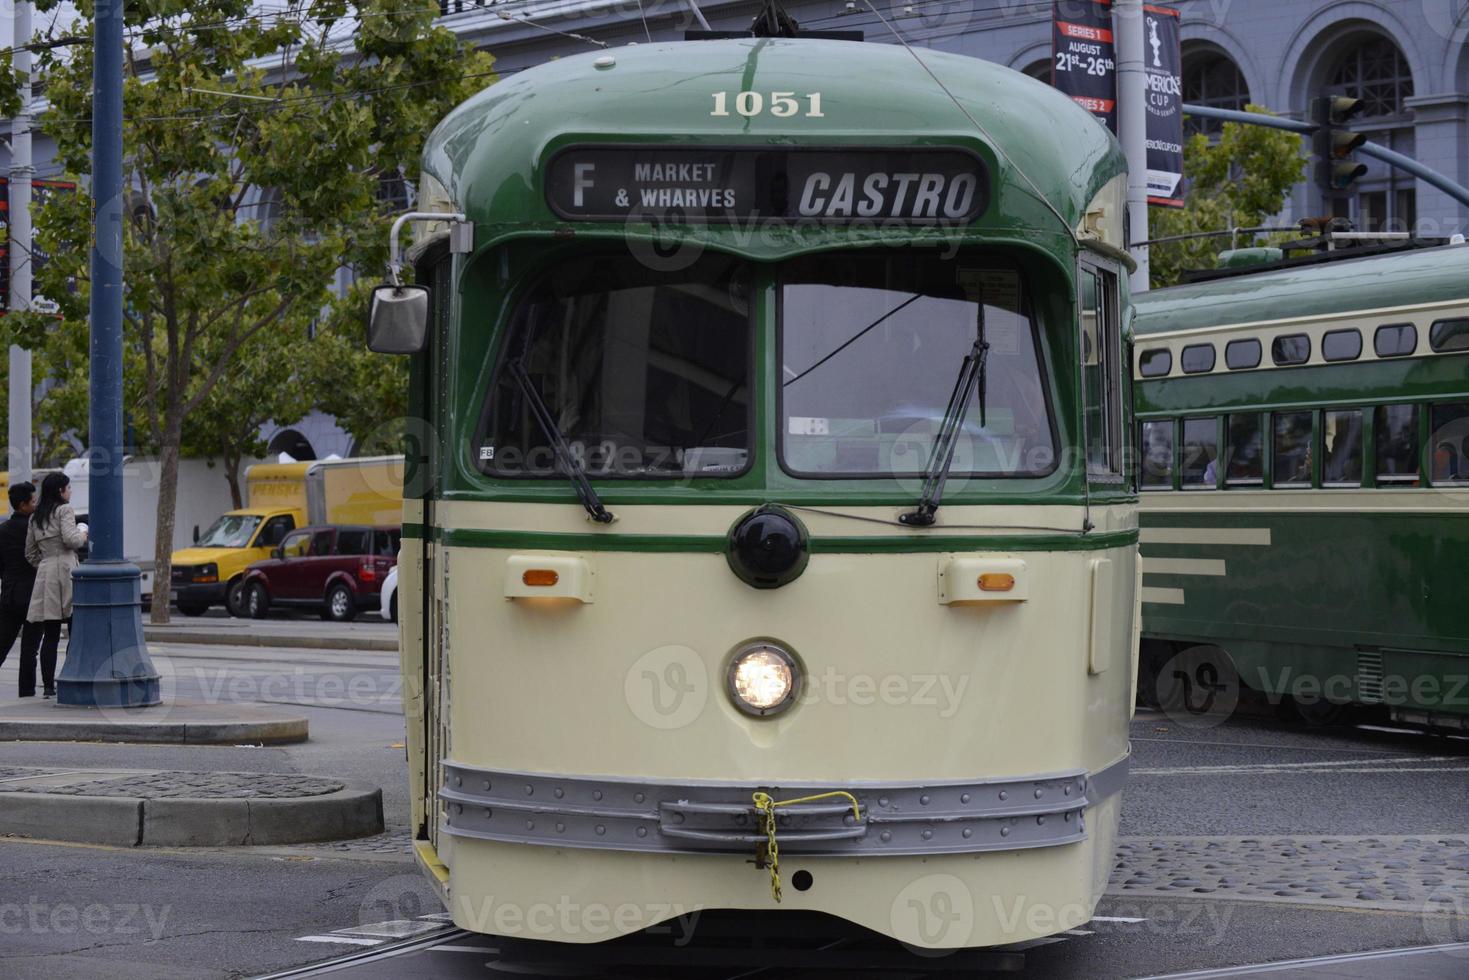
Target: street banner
[
  {"x": 1163, "y": 71},
  {"x": 1084, "y": 64}
]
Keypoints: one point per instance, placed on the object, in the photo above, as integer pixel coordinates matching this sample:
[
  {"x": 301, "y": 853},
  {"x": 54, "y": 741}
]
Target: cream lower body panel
[{"x": 944, "y": 902}]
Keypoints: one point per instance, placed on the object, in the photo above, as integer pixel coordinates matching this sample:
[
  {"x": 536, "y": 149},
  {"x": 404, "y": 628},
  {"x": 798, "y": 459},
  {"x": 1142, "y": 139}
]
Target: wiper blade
[
  {"x": 971, "y": 376},
  {"x": 569, "y": 463}
]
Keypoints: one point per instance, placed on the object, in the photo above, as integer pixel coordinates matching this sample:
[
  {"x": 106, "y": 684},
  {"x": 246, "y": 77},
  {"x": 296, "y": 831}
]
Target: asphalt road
[{"x": 1249, "y": 797}]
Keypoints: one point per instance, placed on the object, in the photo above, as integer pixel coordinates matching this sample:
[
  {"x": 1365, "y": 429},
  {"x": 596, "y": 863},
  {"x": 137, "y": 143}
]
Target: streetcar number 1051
[{"x": 780, "y": 104}]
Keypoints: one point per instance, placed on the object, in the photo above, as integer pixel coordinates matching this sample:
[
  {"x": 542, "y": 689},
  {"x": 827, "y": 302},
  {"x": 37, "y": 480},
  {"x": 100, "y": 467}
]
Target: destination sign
[{"x": 919, "y": 186}]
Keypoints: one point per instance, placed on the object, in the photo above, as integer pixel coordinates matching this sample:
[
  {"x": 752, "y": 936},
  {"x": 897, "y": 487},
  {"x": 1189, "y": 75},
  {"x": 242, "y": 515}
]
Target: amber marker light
[
  {"x": 996, "y": 582},
  {"x": 540, "y": 577}
]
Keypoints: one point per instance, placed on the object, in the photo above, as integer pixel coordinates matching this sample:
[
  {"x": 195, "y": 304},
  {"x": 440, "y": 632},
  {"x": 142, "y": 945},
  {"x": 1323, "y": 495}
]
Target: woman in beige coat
[{"x": 52, "y": 542}]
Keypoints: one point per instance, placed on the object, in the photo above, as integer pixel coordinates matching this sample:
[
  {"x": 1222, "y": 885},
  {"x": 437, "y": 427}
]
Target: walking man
[{"x": 17, "y": 577}]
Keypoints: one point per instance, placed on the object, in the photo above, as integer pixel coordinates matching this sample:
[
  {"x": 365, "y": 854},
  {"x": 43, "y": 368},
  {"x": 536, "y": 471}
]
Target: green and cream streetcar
[
  {"x": 1305, "y": 473},
  {"x": 771, "y": 545}
]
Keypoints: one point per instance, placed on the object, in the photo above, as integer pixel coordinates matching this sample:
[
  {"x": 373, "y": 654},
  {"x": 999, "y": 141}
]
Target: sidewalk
[
  {"x": 133, "y": 807},
  {"x": 179, "y": 721},
  {"x": 367, "y": 633}
]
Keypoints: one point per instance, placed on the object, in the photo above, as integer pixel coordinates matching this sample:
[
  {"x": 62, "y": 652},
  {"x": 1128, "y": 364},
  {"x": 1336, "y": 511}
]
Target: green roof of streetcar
[
  {"x": 488, "y": 153},
  {"x": 1374, "y": 282}
]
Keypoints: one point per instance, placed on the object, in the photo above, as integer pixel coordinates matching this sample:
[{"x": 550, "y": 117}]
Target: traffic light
[{"x": 1333, "y": 143}]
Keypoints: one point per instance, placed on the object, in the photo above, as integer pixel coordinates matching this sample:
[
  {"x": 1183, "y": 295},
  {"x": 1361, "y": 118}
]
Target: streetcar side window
[
  {"x": 1241, "y": 355},
  {"x": 1396, "y": 429},
  {"x": 871, "y": 346},
  {"x": 645, "y": 373},
  {"x": 1197, "y": 359},
  {"x": 1341, "y": 345},
  {"x": 1291, "y": 463},
  {"x": 1395, "y": 340},
  {"x": 1448, "y": 440},
  {"x": 1341, "y": 463},
  {"x": 1246, "y": 457},
  {"x": 1200, "y": 453},
  {"x": 1155, "y": 363},
  {"x": 1291, "y": 349},
  {"x": 1101, "y": 371},
  {"x": 1157, "y": 460},
  {"x": 1449, "y": 336}
]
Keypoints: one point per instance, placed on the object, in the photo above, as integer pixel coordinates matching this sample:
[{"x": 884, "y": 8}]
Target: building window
[
  {"x": 1212, "y": 79},
  {"x": 1376, "y": 72},
  {"x": 1039, "y": 70}
]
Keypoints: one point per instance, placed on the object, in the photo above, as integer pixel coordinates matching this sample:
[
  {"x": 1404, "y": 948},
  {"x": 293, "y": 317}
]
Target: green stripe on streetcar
[{"x": 715, "y": 544}]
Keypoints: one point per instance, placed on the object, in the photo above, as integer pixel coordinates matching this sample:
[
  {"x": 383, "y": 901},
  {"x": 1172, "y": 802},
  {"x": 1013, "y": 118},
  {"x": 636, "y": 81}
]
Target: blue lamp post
[{"x": 106, "y": 661}]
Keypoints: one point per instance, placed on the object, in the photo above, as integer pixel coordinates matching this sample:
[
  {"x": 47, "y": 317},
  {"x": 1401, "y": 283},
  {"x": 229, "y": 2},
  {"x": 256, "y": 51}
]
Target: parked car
[
  {"x": 339, "y": 570},
  {"x": 389, "y": 607}
]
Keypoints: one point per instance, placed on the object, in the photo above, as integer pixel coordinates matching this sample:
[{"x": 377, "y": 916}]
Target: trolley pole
[
  {"x": 21, "y": 172},
  {"x": 106, "y": 661},
  {"x": 1132, "y": 128}
]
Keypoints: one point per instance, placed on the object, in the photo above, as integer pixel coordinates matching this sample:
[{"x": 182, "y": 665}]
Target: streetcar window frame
[
  {"x": 1231, "y": 457},
  {"x": 1411, "y": 477},
  {"x": 1275, "y": 468},
  {"x": 1251, "y": 344},
  {"x": 1204, "y": 357},
  {"x": 1396, "y": 330},
  {"x": 990, "y": 259},
  {"x": 1457, "y": 441},
  {"x": 1204, "y": 482},
  {"x": 1147, "y": 360},
  {"x": 1278, "y": 349},
  {"x": 1170, "y": 474},
  {"x": 517, "y": 305},
  {"x": 1449, "y": 335},
  {"x": 1333, "y": 337},
  {"x": 1327, "y": 459},
  {"x": 1107, "y": 277}
]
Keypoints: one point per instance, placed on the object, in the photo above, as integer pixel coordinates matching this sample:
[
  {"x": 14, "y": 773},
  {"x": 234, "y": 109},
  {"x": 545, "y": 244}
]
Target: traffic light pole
[
  {"x": 1392, "y": 158},
  {"x": 106, "y": 660}
]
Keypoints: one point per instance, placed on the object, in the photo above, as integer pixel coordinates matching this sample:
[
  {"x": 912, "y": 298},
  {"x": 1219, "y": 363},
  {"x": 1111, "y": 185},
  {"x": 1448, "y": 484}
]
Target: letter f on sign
[{"x": 582, "y": 181}]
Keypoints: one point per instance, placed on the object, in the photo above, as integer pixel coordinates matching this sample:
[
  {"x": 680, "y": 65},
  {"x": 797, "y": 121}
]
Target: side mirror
[
  {"x": 196, "y": 534},
  {"x": 397, "y": 320},
  {"x": 277, "y": 553}
]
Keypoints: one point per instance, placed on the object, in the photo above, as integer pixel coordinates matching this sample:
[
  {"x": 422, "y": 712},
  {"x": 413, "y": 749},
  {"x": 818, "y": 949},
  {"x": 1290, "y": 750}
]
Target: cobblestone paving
[
  {"x": 393, "y": 842},
  {"x": 197, "y": 785},
  {"x": 1423, "y": 872},
  {"x": 21, "y": 772}
]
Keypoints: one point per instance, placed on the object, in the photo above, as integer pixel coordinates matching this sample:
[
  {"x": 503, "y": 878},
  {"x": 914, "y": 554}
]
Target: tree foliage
[
  {"x": 1238, "y": 181},
  {"x": 229, "y": 108}
]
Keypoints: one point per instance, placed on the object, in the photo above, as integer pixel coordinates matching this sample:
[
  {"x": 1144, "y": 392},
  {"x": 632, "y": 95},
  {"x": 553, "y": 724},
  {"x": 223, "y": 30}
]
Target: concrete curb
[
  {"x": 245, "y": 638},
  {"x": 356, "y": 810},
  {"x": 284, "y": 730}
]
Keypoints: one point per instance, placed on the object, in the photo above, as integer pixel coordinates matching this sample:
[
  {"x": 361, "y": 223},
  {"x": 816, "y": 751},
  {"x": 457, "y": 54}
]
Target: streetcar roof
[
  {"x": 1372, "y": 282},
  {"x": 488, "y": 152}
]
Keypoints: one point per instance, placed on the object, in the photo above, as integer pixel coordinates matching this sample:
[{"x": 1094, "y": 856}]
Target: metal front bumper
[
  {"x": 211, "y": 593},
  {"x": 708, "y": 817}
]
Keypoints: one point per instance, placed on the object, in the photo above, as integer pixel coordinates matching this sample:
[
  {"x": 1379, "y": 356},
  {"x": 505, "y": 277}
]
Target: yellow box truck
[{"x": 282, "y": 497}]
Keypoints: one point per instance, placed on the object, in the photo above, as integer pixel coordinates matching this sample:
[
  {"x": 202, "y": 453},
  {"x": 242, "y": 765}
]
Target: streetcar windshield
[
  {"x": 645, "y": 372},
  {"x": 870, "y": 347}
]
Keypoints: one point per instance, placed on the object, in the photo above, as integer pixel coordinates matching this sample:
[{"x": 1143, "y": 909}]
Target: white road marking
[
  {"x": 1168, "y": 597},
  {"x": 1183, "y": 566},
  {"x": 1115, "y": 918},
  {"x": 1306, "y": 765},
  {"x": 464, "y": 949},
  {"x": 1451, "y": 949},
  {"x": 392, "y": 929},
  {"x": 348, "y": 940}
]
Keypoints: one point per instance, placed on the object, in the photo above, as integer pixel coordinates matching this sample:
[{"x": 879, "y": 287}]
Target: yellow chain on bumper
[{"x": 765, "y": 812}]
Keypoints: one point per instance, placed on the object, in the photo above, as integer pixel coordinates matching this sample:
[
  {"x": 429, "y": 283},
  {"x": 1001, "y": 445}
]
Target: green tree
[
  {"x": 367, "y": 393},
  {"x": 318, "y": 104},
  {"x": 1238, "y": 181}
]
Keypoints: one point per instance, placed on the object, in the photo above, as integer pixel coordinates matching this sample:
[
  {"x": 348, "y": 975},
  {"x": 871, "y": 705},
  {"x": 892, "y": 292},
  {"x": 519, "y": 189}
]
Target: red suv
[{"x": 340, "y": 570}]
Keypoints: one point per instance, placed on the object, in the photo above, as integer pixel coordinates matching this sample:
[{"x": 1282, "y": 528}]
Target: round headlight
[{"x": 764, "y": 679}]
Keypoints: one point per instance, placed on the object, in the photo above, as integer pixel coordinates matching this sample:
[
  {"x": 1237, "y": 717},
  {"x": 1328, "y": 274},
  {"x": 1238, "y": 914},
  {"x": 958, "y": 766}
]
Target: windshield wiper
[
  {"x": 971, "y": 376},
  {"x": 574, "y": 471}
]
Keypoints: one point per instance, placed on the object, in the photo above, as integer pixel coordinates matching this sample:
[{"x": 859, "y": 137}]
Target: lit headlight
[{"x": 763, "y": 679}]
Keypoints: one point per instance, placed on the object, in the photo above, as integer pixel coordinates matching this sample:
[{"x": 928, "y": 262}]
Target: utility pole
[
  {"x": 1132, "y": 127},
  {"x": 106, "y": 660},
  {"x": 21, "y": 172}
]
